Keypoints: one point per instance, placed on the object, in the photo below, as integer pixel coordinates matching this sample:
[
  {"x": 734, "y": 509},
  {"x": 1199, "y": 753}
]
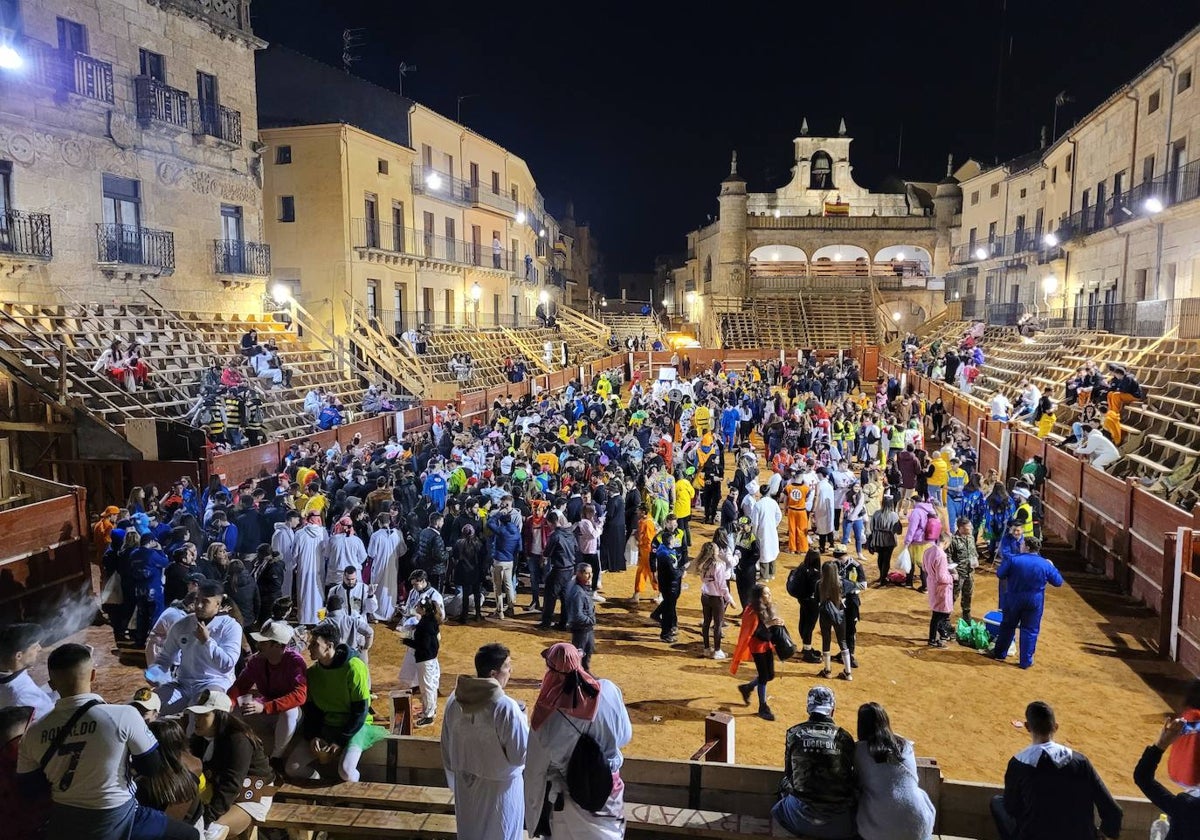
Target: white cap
[
  {"x": 274, "y": 631},
  {"x": 211, "y": 700}
]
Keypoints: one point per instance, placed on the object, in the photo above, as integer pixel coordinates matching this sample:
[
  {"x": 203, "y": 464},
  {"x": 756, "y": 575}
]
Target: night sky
[{"x": 631, "y": 110}]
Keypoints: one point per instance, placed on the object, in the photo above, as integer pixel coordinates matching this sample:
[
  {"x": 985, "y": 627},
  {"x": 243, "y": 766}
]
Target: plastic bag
[
  {"x": 631, "y": 551},
  {"x": 902, "y": 562},
  {"x": 973, "y": 634},
  {"x": 111, "y": 593}
]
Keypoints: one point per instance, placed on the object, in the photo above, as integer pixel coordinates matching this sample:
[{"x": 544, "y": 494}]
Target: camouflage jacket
[{"x": 819, "y": 766}]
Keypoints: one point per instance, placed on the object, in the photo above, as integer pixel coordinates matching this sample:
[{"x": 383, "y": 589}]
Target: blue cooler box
[{"x": 992, "y": 622}]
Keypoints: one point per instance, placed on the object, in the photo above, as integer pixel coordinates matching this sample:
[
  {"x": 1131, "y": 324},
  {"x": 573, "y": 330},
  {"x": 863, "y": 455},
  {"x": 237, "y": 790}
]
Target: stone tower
[
  {"x": 729, "y": 274},
  {"x": 947, "y": 201}
]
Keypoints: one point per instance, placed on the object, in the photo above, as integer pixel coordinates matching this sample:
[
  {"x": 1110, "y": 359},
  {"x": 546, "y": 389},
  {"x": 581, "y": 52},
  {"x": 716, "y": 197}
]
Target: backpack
[
  {"x": 589, "y": 778},
  {"x": 933, "y": 528},
  {"x": 793, "y": 583}
]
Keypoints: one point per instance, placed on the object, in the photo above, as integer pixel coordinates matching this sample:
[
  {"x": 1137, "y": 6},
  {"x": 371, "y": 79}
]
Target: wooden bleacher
[
  {"x": 814, "y": 318},
  {"x": 625, "y": 326}
]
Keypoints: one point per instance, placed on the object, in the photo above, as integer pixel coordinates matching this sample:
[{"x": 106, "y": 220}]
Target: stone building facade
[
  {"x": 128, "y": 137},
  {"x": 1101, "y": 228},
  {"x": 819, "y": 230}
]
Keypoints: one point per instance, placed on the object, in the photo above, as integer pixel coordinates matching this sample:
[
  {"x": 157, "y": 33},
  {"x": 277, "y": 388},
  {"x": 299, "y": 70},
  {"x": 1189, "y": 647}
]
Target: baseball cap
[
  {"x": 214, "y": 700},
  {"x": 274, "y": 631},
  {"x": 820, "y": 701},
  {"x": 146, "y": 700}
]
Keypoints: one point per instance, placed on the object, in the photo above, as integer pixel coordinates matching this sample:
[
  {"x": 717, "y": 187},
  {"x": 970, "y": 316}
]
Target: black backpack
[{"x": 589, "y": 778}]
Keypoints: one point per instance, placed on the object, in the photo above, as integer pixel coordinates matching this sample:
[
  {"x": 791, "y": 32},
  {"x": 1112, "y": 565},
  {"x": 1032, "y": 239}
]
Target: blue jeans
[
  {"x": 796, "y": 817},
  {"x": 534, "y": 564},
  {"x": 857, "y": 527}
]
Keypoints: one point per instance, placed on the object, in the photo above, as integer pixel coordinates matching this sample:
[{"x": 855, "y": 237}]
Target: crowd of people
[{"x": 225, "y": 589}]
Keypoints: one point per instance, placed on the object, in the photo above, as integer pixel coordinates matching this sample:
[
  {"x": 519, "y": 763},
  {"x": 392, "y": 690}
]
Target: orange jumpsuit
[
  {"x": 645, "y": 536},
  {"x": 797, "y": 517}
]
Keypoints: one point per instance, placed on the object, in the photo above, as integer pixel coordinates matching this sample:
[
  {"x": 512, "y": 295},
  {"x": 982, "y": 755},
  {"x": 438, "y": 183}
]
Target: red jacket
[
  {"x": 1183, "y": 764},
  {"x": 281, "y": 687},
  {"x": 546, "y": 530}
]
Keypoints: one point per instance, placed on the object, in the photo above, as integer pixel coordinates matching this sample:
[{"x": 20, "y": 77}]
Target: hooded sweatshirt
[{"x": 338, "y": 698}]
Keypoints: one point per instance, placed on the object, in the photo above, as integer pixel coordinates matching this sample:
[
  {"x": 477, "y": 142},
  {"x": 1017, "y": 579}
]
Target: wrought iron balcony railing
[
  {"x": 25, "y": 234},
  {"x": 215, "y": 120},
  {"x": 135, "y": 245},
  {"x": 159, "y": 103},
  {"x": 233, "y": 256}
]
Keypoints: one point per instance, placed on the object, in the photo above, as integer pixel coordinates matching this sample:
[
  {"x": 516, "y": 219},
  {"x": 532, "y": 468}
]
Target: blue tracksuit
[
  {"x": 729, "y": 423},
  {"x": 435, "y": 488},
  {"x": 1027, "y": 576}
]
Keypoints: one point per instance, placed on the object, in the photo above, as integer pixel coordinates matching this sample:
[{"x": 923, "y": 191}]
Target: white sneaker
[
  {"x": 708, "y": 653},
  {"x": 720, "y": 654},
  {"x": 598, "y": 598},
  {"x": 658, "y": 599},
  {"x": 216, "y": 831}
]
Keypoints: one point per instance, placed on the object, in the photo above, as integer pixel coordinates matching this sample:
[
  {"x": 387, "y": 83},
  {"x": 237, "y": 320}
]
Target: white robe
[
  {"x": 483, "y": 752},
  {"x": 765, "y": 520},
  {"x": 823, "y": 506},
  {"x": 281, "y": 541},
  {"x": 308, "y": 549},
  {"x": 385, "y": 549},
  {"x": 342, "y": 550},
  {"x": 550, "y": 749}
]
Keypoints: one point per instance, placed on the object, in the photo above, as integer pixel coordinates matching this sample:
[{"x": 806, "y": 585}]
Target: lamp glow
[
  {"x": 280, "y": 293},
  {"x": 604, "y": 301},
  {"x": 433, "y": 181},
  {"x": 896, "y": 316},
  {"x": 900, "y": 256},
  {"x": 544, "y": 297},
  {"x": 542, "y": 233},
  {"x": 1049, "y": 284},
  {"x": 1152, "y": 205},
  {"x": 10, "y": 59},
  {"x": 691, "y": 297},
  {"x": 476, "y": 292},
  {"x": 838, "y": 255},
  {"x": 980, "y": 254},
  {"x": 1050, "y": 239},
  {"x": 776, "y": 214},
  {"x": 520, "y": 217}
]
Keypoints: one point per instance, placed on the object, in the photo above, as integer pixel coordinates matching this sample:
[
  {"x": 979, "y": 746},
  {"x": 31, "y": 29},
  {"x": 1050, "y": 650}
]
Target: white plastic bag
[
  {"x": 111, "y": 592},
  {"x": 902, "y": 562},
  {"x": 631, "y": 551}
]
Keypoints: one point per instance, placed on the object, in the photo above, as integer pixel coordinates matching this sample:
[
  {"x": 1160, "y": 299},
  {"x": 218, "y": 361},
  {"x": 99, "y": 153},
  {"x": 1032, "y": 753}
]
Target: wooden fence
[{"x": 1141, "y": 541}]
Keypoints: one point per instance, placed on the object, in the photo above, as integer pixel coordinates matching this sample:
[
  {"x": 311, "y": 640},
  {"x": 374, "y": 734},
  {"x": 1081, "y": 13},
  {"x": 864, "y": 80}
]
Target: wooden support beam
[{"x": 49, "y": 428}]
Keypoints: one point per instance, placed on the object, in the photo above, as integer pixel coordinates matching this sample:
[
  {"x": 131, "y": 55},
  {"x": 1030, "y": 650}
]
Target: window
[
  {"x": 450, "y": 165},
  {"x": 1070, "y": 160},
  {"x": 1139, "y": 284},
  {"x": 283, "y": 155},
  {"x": 496, "y": 191},
  {"x": 230, "y": 252},
  {"x": 5, "y": 189},
  {"x": 231, "y": 223},
  {"x": 451, "y": 245},
  {"x": 476, "y": 245},
  {"x": 1043, "y": 187},
  {"x": 381, "y": 166},
  {"x": 496, "y": 310},
  {"x": 1118, "y": 183},
  {"x": 398, "y": 307},
  {"x": 1023, "y": 191},
  {"x": 1153, "y": 101},
  {"x": 10, "y": 15},
  {"x": 1086, "y": 200},
  {"x": 971, "y": 241},
  {"x": 514, "y": 194},
  {"x": 1167, "y": 292},
  {"x": 287, "y": 208},
  {"x": 207, "y": 103},
  {"x": 449, "y": 306},
  {"x": 974, "y": 198},
  {"x": 1054, "y": 175},
  {"x": 1148, "y": 169},
  {"x": 1185, "y": 80},
  {"x": 122, "y": 240},
  {"x": 1037, "y": 222},
  {"x": 474, "y": 175},
  {"x": 427, "y": 155},
  {"x": 1020, "y": 223},
  {"x": 991, "y": 233},
  {"x": 373, "y": 298},
  {"x": 72, "y": 36},
  {"x": 371, "y": 219},
  {"x": 152, "y": 65},
  {"x": 995, "y": 191},
  {"x": 397, "y": 226}
]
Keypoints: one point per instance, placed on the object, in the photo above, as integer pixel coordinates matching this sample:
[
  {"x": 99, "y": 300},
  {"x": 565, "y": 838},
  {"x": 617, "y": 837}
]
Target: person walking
[
  {"x": 766, "y": 517},
  {"x": 579, "y": 608},
  {"x": 715, "y": 567},
  {"x": 803, "y": 584},
  {"x": 562, "y": 549},
  {"x": 669, "y": 563},
  {"x": 832, "y": 617},
  {"x": 1026, "y": 574},
  {"x": 644, "y": 531},
  {"x": 754, "y": 643},
  {"x": 485, "y": 737}
]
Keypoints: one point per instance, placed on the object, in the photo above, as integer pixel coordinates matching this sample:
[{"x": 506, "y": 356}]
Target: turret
[{"x": 729, "y": 274}]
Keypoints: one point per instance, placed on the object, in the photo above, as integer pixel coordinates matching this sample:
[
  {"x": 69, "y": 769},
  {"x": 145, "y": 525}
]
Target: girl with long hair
[
  {"x": 891, "y": 804},
  {"x": 885, "y": 525},
  {"x": 803, "y": 585},
  {"x": 754, "y": 642},
  {"x": 231, "y": 753},
  {"x": 832, "y": 618},
  {"x": 715, "y": 566},
  {"x": 1000, "y": 509},
  {"x": 175, "y": 786}
]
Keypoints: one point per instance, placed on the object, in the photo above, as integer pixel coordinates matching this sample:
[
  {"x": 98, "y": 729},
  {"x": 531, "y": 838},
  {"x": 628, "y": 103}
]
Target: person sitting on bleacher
[
  {"x": 1098, "y": 447},
  {"x": 112, "y": 363},
  {"x": 231, "y": 377},
  {"x": 1123, "y": 389},
  {"x": 266, "y": 368},
  {"x": 250, "y": 345},
  {"x": 330, "y": 416}
]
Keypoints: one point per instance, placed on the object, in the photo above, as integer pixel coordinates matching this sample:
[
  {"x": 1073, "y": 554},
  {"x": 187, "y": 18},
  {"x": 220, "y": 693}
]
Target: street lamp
[
  {"x": 900, "y": 256},
  {"x": 476, "y": 294},
  {"x": 603, "y": 302},
  {"x": 896, "y": 316},
  {"x": 981, "y": 254},
  {"x": 520, "y": 217},
  {"x": 280, "y": 294},
  {"x": 1152, "y": 205},
  {"x": 1049, "y": 284},
  {"x": 1050, "y": 239},
  {"x": 10, "y": 59},
  {"x": 433, "y": 181},
  {"x": 544, "y": 297}
]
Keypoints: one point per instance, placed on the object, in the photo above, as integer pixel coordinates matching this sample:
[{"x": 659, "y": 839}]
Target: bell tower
[{"x": 729, "y": 275}]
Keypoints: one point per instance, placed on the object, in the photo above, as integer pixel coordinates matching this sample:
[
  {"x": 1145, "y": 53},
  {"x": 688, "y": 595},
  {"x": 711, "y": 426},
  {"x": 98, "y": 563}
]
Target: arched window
[
  {"x": 708, "y": 270},
  {"x": 821, "y": 172}
]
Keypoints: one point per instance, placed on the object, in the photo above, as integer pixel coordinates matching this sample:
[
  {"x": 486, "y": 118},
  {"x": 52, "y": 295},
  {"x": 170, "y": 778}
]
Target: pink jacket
[
  {"x": 939, "y": 579},
  {"x": 589, "y": 536},
  {"x": 916, "y": 522}
]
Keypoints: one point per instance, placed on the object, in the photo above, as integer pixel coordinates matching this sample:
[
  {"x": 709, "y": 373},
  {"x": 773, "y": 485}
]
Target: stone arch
[
  {"x": 840, "y": 253},
  {"x": 778, "y": 253},
  {"x": 911, "y": 259},
  {"x": 820, "y": 171}
]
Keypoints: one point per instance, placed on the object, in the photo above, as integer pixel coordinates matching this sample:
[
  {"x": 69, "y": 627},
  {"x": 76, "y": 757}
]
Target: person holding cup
[{"x": 272, "y": 688}]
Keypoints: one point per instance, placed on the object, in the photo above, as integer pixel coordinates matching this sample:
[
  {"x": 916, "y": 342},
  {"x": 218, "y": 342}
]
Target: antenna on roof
[
  {"x": 404, "y": 69},
  {"x": 351, "y": 41}
]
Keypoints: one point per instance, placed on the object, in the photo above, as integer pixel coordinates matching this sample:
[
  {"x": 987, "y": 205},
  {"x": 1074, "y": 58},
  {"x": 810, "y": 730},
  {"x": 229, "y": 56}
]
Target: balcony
[
  {"x": 429, "y": 181},
  {"x": 158, "y": 103},
  {"x": 1026, "y": 240},
  {"x": 215, "y": 120},
  {"x": 1143, "y": 201},
  {"x": 89, "y": 77},
  {"x": 383, "y": 240},
  {"x": 231, "y": 15},
  {"x": 133, "y": 245},
  {"x": 25, "y": 234},
  {"x": 232, "y": 256}
]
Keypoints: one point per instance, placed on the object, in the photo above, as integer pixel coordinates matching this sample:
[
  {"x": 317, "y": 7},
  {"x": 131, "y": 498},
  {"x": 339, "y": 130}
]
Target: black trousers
[
  {"x": 809, "y": 610},
  {"x": 711, "y": 496},
  {"x": 884, "y": 557},
  {"x": 852, "y": 613},
  {"x": 668, "y": 616},
  {"x": 555, "y": 590},
  {"x": 472, "y": 587},
  {"x": 939, "y": 625},
  {"x": 745, "y": 580}
]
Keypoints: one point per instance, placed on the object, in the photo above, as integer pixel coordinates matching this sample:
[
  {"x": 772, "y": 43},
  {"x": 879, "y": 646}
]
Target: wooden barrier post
[{"x": 718, "y": 739}]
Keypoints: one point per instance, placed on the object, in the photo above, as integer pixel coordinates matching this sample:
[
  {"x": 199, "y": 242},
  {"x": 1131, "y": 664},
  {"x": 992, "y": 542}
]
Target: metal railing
[
  {"x": 135, "y": 245},
  {"x": 396, "y": 322},
  {"x": 1145, "y": 199},
  {"x": 157, "y": 102},
  {"x": 1017, "y": 242},
  {"x": 429, "y": 180},
  {"x": 91, "y": 77},
  {"x": 26, "y": 234},
  {"x": 232, "y": 256},
  {"x": 395, "y": 239},
  {"x": 215, "y": 120}
]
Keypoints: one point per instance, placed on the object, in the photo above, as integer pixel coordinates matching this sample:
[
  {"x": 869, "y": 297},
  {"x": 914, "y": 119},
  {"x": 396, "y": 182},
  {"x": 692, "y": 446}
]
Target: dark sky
[{"x": 632, "y": 109}]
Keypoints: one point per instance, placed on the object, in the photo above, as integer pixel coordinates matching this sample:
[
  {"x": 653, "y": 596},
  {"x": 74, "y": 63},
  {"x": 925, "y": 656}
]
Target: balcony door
[
  {"x": 233, "y": 248},
  {"x": 371, "y": 215},
  {"x": 122, "y": 235},
  {"x": 5, "y": 204},
  {"x": 206, "y": 103},
  {"x": 72, "y": 37}
]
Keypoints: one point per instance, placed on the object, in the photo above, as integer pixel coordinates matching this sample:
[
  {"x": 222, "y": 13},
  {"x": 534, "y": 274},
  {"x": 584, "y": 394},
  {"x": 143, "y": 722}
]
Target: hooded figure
[
  {"x": 308, "y": 550},
  {"x": 386, "y": 548},
  {"x": 343, "y": 549}
]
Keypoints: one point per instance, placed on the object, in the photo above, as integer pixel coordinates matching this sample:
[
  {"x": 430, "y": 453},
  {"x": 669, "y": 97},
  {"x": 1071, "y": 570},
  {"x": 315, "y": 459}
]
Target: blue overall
[
  {"x": 729, "y": 424},
  {"x": 1027, "y": 576},
  {"x": 1008, "y": 547}
]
